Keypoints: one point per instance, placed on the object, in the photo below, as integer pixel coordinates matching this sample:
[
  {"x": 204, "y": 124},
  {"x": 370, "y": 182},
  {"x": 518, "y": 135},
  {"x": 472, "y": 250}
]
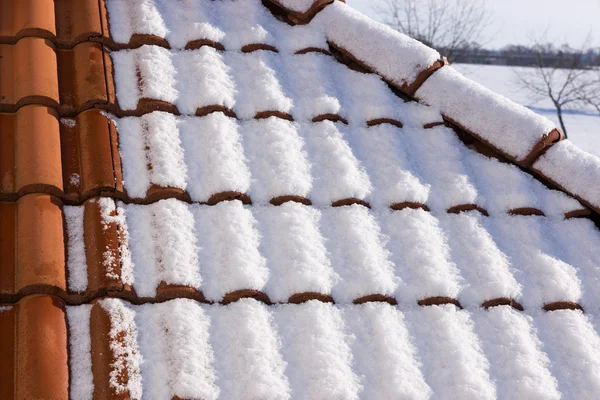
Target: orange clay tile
[
  {"x": 32, "y": 246},
  {"x": 90, "y": 162},
  {"x": 33, "y": 349},
  {"x": 29, "y": 74},
  {"x": 30, "y": 158},
  {"x": 21, "y": 18},
  {"x": 296, "y": 17},
  {"x": 80, "y": 20}
]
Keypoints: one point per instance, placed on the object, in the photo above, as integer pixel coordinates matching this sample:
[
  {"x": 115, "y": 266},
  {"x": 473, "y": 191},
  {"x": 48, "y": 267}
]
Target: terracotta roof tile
[{"x": 26, "y": 18}]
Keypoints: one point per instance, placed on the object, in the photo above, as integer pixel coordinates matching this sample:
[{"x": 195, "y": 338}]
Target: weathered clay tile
[
  {"x": 29, "y": 74},
  {"x": 90, "y": 161},
  {"x": 21, "y": 18},
  {"x": 295, "y": 16},
  {"x": 32, "y": 244},
  {"x": 30, "y": 149},
  {"x": 79, "y": 20},
  {"x": 33, "y": 349}
]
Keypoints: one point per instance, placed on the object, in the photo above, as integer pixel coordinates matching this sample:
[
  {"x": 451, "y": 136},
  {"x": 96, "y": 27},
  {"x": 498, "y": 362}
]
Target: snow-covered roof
[{"x": 312, "y": 205}]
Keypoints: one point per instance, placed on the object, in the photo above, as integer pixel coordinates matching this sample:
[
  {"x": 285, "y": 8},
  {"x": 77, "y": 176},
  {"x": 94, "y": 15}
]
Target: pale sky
[{"x": 516, "y": 21}]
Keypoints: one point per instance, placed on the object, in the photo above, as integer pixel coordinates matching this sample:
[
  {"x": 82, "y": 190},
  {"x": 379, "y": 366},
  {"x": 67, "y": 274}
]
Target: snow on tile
[
  {"x": 129, "y": 17},
  {"x": 76, "y": 260},
  {"x": 485, "y": 269},
  {"x": 126, "y": 78},
  {"x": 173, "y": 338},
  {"x": 508, "y": 126},
  {"x": 358, "y": 253},
  {"x": 419, "y": 249},
  {"x": 390, "y": 167},
  {"x": 440, "y": 158},
  {"x": 290, "y": 39},
  {"x": 573, "y": 169},
  {"x": 214, "y": 156},
  {"x": 392, "y": 54},
  {"x": 228, "y": 240},
  {"x": 276, "y": 157},
  {"x": 110, "y": 213},
  {"x": 257, "y": 79},
  {"x": 453, "y": 361},
  {"x": 319, "y": 358},
  {"x": 555, "y": 204},
  {"x": 81, "y": 384},
  {"x": 300, "y": 6},
  {"x": 247, "y": 352},
  {"x": 518, "y": 365},
  {"x": 309, "y": 82},
  {"x": 163, "y": 244},
  {"x": 384, "y": 353},
  {"x": 244, "y": 23},
  {"x": 535, "y": 260},
  {"x": 573, "y": 347},
  {"x": 579, "y": 241},
  {"x": 132, "y": 149},
  {"x": 124, "y": 346},
  {"x": 295, "y": 250},
  {"x": 337, "y": 174}
]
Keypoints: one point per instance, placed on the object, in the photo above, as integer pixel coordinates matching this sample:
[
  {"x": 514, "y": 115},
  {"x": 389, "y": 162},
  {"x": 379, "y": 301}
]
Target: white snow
[
  {"x": 573, "y": 347},
  {"x": 68, "y": 122},
  {"x": 337, "y": 174},
  {"x": 295, "y": 250},
  {"x": 372, "y": 43},
  {"x": 421, "y": 255},
  {"x": 247, "y": 351},
  {"x": 244, "y": 22},
  {"x": 124, "y": 346},
  {"x": 384, "y": 353},
  {"x": 113, "y": 214},
  {"x": 485, "y": 269},
  {"x": 81, "y": 385},
  {"x": 76, "y": 259},
  {"x": 358, "y": 253},
  {"x": 517, "y": 363},
  {"x": 508, "y": 126},
  {"x": 136, "y": 177},
  {"x": 300, "y": 6},
  {"x": 173, "y": 338},
  {"x": 574, "y": 169},
  {"x": 228, "y": 240},
  {"x": 314, "y": 346},
  {"x": 277, "y": 160},
  {"x": 453, "y": 361}
]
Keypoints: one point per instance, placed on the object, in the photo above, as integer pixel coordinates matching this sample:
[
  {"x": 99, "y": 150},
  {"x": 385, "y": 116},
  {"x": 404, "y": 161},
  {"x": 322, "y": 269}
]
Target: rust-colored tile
[
  {"x": 81, "y": 77},
  {"x": 78, "y": 21},
  {"x": 29, "y": 74},
  {"x": 32, "y": 243},
  {"x": 30, "y": 148},
  {"x": 90, "y": 160},
  {"x": 21, "y": 18},
  {"x": 33, "y": 345}
]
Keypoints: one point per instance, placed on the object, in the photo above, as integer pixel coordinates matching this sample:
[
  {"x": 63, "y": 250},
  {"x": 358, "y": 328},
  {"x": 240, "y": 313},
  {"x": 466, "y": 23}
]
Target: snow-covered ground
[{"x": 583, "y": 126}]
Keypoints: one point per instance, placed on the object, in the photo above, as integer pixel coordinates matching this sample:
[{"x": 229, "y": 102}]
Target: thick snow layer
[
  {"x": 295, "y": 250},
  {"x": 173, "y": 338},
  {"x": 315, "y": 348},
  {"x": 358, "y": 253},
  {"x": 277, "y": 159},
  {"x": 128, "y": 17},
  {"x": 573, "y": 169},
  {"x": 390, "y": 167},
  {"x": 247, "y": 349},
  {"x": 244, "y": 22},
  {"x": 573, "y": 347},
  {"x": 300, "y": 6},
  {"x": 228, "y": 240},
  {"x": 163, "y": 244},
  {"x": 451, "y": 353},
  {"x": 384, "y": 353},
  {"x": 535, "y": 259},
  {"x": 81, "y": 385},
  {"x": 337, "y": 174},
  {"x": 392, "y": 54},
  {"x": 508, "y": 126},
  {"x": 76, "y": 260},
  {"x": 420, "y": 252},
  {"x": 485, "y": 269},
  {"x": 517, "y": 364},
  {"x": 440, "y": 156},
  {"x": 124, "y": 346},
  {"x": 132, "y": 144}
]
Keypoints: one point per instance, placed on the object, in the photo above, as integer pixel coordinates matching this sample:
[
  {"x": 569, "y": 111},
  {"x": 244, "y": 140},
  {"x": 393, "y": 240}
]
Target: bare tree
[
  {"x": 562, "y": 76},
  {"x": 452, "y": 27}
]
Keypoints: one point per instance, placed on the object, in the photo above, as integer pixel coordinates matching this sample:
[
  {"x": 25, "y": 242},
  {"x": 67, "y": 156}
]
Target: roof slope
[{"x": 280, "y": 199}]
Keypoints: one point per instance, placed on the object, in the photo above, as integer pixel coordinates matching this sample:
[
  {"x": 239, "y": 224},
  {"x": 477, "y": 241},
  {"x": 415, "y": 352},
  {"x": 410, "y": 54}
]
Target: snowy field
[{"x": 583, "y": 126}]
